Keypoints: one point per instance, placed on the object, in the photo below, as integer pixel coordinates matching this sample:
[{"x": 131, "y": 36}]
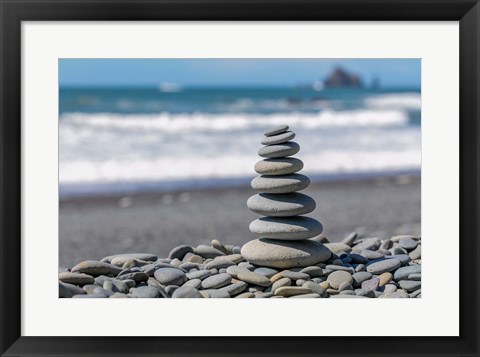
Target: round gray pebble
[
  {"x": 254, "y": 278},
  {"x": 146, "y": 292},
  {"x": 338, "y": 277},
  {"x": 186, "y": 292},
  {"x": 180, "y": 252},
  {"x": 279, "y": 166},
  {"x": 280, "y": 150},
  {"x": 170, "y": 276},
  {"x": 383, "y": 266},
  {"x": 199, "y": 274},
  {"x": 206, "y": 251},
  {"x": 286, "y": 228},
  {"x": 216, "y": 281},
  {"x": 280, "y": 184},
  {"x": 408, "y": 243},
  {"x": 286, "y": 205},
  {"x": 268, "y": 272},
  {"x": 404, "y": 272},
  {"x": 76, "y": 278},
  {"x": 278, "y": 139},
  {"x": 95, "y": 268},
  {"x": 294, "y": 275},
  {"x": 276, "y": 130},
  {"x": 371, "y": 284}
]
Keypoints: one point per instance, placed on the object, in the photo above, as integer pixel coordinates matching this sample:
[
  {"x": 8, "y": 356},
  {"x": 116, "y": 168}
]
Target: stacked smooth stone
[{"x": 284, "y": 231}]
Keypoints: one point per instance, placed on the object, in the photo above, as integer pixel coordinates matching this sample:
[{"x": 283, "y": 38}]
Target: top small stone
[{"x": 276, "y": 130}]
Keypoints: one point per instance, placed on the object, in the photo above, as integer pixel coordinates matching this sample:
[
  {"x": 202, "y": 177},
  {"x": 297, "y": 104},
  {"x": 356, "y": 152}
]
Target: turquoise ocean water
[{"x": 127, "y": 139}]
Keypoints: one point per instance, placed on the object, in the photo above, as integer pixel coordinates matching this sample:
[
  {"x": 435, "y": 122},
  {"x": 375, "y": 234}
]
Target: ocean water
[{"x": 131, "y": 139}]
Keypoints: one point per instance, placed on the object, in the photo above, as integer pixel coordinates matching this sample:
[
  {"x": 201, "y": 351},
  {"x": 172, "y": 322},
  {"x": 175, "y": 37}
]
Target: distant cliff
[{"x": 340, "y": 78}]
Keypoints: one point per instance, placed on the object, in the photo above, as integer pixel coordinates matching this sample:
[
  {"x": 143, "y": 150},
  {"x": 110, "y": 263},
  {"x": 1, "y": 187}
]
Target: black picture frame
[{"x": 13, "y": 12}]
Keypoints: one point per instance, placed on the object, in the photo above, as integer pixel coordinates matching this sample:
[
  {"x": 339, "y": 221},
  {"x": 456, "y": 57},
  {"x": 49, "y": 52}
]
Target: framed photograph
[{"x": 239, "y": 178}]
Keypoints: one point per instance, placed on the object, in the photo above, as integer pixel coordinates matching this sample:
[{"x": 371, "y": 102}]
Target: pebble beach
[
  {"x": 353, "y": 268},
  {"x": 290, "y": 258}
]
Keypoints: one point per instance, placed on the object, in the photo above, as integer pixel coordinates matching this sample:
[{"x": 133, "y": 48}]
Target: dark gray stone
[
  {"x": 360, "y": 277},
  {"x": 408, "y": 243},
  {"x": 366, "y": 293},
  {"x": 313, "y": 271},
  {"x": 170, "y": 276},
  {"x": 345, "y": 286},
  {"x": 403, "y": 272},
  {"x": 66, "y": 290},
  {"x": 207, "y": 251},
  {"x": 189, "y": 266},
  {"x": 171, "y": 289},
  {"x": 180, "y": 252},
  {"x": 359, "y": 259},
  {"x": 136, "y": 276}
]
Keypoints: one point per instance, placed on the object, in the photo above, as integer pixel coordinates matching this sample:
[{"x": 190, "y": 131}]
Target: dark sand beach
[{"x": 94, "y": 227}]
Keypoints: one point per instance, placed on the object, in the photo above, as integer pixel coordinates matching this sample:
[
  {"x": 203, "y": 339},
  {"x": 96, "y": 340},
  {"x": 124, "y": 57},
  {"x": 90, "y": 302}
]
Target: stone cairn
[
  {"x": 284, "y": 232},
  {"x": 352, "y": 268}
]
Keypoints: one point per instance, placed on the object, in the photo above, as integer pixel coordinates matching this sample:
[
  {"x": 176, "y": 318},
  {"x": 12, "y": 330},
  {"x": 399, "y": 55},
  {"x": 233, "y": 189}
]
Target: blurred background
[{"x": 160, "y": 152}]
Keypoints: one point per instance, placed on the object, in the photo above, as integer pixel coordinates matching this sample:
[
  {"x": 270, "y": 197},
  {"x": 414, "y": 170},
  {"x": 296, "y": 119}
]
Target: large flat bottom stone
[{"x": 285, "y": 254}]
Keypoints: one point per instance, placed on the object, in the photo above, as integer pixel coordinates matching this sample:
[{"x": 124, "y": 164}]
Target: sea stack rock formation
[{"x": 284, "y": 231}]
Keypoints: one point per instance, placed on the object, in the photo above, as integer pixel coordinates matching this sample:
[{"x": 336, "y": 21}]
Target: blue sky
[{"x": 231, "y": 72}]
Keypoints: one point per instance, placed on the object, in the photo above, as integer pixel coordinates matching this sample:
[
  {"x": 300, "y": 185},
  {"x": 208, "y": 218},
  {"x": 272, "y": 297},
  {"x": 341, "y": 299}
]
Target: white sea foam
[
  {"x": 109, "y": 149},
  {"x": 412, "y": 101},
  {"x": 167, "y": 122},
  {"x": 194, "y": 168}
]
